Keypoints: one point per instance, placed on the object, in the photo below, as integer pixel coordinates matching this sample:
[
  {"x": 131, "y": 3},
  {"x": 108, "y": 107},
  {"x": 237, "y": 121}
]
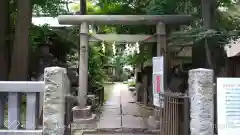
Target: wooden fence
[{"x": 174, "y": 114}]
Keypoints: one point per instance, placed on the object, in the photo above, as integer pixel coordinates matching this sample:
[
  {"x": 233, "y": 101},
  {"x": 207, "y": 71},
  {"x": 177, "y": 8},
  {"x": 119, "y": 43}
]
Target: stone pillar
[
  {"x": 201, "y": 101},
  {"x": 56, "y": 88},
  {"x": 83, "y": 65}
]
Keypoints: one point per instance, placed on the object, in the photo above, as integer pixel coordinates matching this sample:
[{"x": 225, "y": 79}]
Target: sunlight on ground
[
  {"x": 108, "y": 90},
  {"x": 111, "y": 90}
]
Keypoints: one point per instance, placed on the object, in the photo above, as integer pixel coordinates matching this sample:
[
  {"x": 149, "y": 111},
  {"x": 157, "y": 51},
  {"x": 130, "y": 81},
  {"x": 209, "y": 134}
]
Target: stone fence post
[
  {"x": 201, "y": 101},
  {"x": 56, "y": 88}
]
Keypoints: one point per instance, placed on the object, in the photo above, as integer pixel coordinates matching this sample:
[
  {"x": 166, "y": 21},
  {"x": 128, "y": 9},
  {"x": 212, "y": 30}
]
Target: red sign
[{"x": 158, "y": 83}]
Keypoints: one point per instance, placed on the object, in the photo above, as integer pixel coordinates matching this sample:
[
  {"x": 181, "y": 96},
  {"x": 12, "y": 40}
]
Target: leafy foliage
[
  {"x": 96, "y": 63},
  {"x": 48, "y": 7},
  {"x": 227, "y": 23}
]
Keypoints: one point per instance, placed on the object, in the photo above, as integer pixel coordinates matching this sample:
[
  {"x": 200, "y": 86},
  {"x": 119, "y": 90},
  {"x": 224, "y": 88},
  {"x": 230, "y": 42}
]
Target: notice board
[{"x": 228, "y": 106}]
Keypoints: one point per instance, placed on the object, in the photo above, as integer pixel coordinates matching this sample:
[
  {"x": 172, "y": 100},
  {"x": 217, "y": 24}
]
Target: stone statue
[{"x": 46, "y": 59}]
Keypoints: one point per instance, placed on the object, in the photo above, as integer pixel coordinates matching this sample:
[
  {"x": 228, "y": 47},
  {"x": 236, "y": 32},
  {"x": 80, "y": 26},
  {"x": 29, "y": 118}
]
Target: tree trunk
[
  {"x": 19, "y": 63},
  {"x": 208, "y": 22},
  {"x": 83, "y": 7},
  {"x": 208, "y": 12},
  {"x": 4, "y": 14}
]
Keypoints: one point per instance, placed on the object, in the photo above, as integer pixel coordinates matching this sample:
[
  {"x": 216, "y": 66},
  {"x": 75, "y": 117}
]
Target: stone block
[{"x": 55, "y": 90}]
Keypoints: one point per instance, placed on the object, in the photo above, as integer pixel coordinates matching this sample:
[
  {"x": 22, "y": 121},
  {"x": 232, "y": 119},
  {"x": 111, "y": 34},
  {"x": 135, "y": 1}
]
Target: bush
[{"x": 131, "y": 84}]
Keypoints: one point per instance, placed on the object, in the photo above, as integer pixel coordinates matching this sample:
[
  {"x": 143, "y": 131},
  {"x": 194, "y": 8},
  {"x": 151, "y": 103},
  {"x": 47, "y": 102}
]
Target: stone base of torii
[{"x": 82, "y": 113}]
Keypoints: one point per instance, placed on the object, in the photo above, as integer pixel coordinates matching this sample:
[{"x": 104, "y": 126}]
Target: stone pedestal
[
  {"x": 55, "y": 90},
  {"x": 83, "y": 115},
  {"x": 201, "y": 101}
]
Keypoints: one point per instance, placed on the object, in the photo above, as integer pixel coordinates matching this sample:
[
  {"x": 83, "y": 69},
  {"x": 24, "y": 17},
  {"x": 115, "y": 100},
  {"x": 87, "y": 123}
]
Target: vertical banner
[
  {"x": 158, "y": 83},
  {"x": 157, "y": 80}
]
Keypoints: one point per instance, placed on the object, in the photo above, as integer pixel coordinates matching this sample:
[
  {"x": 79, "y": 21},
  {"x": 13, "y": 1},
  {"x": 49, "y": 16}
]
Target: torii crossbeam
[{"x": 124, "y": 19}]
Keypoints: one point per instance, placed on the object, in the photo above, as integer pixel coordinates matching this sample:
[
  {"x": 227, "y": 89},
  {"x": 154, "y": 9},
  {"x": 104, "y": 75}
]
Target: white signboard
[
  {"x": 157, "y": 80},
  {"x": 158, "y": 64},
  {"x": 228, "y": 106}
]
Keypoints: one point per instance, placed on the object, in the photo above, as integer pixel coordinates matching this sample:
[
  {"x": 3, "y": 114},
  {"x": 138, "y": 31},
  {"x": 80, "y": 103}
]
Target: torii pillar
[
  {"x": 83, "y": 65},
  {"x": 162, "y": 50}
]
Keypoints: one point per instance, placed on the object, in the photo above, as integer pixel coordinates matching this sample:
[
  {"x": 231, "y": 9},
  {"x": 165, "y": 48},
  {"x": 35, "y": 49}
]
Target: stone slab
[
  {"x": 110, "y": 112},
  {"x": 130, "y": 109},
  {"x": 126, "y": 96},
  {"x": 113, "y": 101},
  {"x": 110, "y": 123},
  {"x": 131, "y": 122}
]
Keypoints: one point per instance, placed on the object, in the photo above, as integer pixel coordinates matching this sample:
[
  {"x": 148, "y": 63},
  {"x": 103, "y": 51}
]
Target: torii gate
[{"x": 84, "y": 20}]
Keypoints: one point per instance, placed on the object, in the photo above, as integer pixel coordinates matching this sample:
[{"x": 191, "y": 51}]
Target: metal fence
[{"x": 174, "y": 114}]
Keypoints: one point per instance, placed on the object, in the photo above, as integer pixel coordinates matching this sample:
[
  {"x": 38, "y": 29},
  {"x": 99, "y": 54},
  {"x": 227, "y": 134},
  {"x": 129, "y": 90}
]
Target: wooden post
[{"x": 83, "y": 65}]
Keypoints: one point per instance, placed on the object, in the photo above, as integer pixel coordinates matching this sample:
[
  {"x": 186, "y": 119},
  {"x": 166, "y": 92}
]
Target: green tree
[
  {"x": 17, "y": 21},
  {"x": 220, "y": 36}
]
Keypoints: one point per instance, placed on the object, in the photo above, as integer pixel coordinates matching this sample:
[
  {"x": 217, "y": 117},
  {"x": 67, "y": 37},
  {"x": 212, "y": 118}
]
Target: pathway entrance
[{"x": 120, "y": 114}]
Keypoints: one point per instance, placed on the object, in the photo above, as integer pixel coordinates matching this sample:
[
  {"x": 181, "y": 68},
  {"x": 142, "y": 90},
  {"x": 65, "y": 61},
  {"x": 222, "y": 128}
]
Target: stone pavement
[
  {"x": 120, "y": 111},
  {"x": 120, "y": 114}
]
